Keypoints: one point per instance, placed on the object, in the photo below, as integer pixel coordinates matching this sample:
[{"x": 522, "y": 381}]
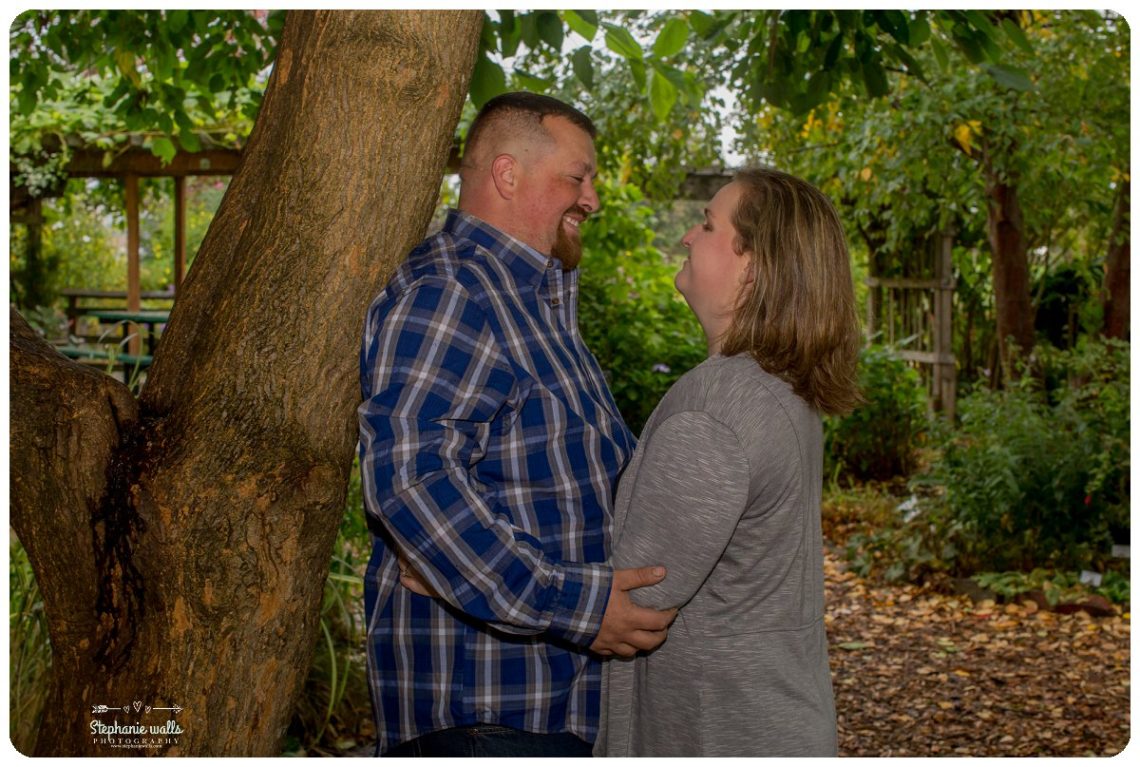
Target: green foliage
[
  {"x": 83, "y": 234},
  {"x": 29, "y": 651},
  {"x": 790, "y": 59},
  {"x": 1034, "y": 478},
  {"x": 170, "y": 78},
  {"x": 905, "y": 169},
  {"x": 334, "y": 712},
  {"x": 1041, "y": 478},
  {"x": 879, "y": 438},
  {"x": 910, "y": 547},
  {"x": 1057, "y": 585},
  {"x": 631, "y": 316}
]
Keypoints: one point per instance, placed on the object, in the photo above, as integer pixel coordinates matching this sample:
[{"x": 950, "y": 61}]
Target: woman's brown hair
[{"x": 797, "y": 317}]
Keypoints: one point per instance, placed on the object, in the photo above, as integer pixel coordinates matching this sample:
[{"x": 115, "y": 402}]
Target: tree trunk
[
  {"x": 1012, "y": 303},
  {"x": 1118, "y": 269},
  {"x": 182, "y": 543}
]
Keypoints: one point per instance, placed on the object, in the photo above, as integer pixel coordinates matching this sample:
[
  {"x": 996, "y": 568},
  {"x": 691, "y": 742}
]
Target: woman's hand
[{"x": 411, "y": 580}]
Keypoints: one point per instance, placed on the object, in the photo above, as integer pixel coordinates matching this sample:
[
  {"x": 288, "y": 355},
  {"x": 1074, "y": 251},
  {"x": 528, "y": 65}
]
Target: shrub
[
  {"x": 1038, "y": 476},
  {"x": 879, "y": 438}
]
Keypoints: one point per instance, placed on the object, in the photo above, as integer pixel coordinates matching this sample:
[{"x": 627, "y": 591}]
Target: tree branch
[{"x": 66, "y": 424}]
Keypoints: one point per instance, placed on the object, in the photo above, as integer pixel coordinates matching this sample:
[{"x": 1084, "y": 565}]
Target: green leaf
[
  {"x": 550, "y": 29},
  {"x": 164, "y": 149},
  {"x": 703, "y": 24},
  {"x": 671, "y": 39},
  {"x": 529, "y": 30},
  {"x": 176, "y": 20},
  {"x": 487, "y": 34},
  {"x": 969, "y": 43},
  {"x": 819, "y": 85},
  {"x": 854, "y": 645},
  {"x": 833, "y": 51},
  {"x": 895, "y": 25},
  {"x": 487, "y": 81},
  {"x": 662, "y": 95},
  {"x": 26, "y": 101},
  {"x": 919, "y": 30},
  {"x": 189, "y": 141},
  {"x": 620, "y": 41},
  {"x": 584, "y": 23},
  {"x": 510, "y": 33},
  {"x": 912, "y": 66},
  {"x": 875, "y": 78},
  {"x": 941, "y": 54},
  {"x": 531, "y": 82},
  {"x": 583, "y": 66},
  {"x": 1015, "y": 33},
  {"x": 638, "y": 70},
  {"x": 981, "y": 21},
  {"x": 1010, "y": 77}
]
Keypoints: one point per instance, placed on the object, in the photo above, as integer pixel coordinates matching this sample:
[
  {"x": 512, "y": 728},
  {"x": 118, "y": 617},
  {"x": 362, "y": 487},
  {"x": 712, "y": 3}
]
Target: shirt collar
[{"x": 526, "y": 263}]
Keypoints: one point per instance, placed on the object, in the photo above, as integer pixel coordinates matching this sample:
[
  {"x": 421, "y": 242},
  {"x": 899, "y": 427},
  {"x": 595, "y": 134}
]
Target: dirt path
[{"x": 923, "y": 674}]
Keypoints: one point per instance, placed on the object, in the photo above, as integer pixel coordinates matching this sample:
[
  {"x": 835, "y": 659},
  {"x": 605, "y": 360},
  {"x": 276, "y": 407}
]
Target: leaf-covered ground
[{"x": 918, "y": 673}]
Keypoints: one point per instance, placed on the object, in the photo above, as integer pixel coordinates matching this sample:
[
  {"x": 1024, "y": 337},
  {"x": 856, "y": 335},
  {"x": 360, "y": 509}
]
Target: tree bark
[
  {"x": 1006, "y": 229},
  {"x": 182, "y": 543},
  {"x": 1118, "y": 269}
]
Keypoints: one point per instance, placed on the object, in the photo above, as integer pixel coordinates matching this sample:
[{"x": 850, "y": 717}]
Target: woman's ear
[
  {"x": 503, "y": 171},
  {"x": 748, "y": 274}
]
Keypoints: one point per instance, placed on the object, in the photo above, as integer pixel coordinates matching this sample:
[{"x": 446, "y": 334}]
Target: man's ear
[{"x": 503, "y": 172}]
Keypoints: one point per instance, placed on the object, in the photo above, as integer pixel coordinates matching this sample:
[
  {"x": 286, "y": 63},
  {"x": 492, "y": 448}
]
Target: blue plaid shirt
[{"x": 489, "y": 449}]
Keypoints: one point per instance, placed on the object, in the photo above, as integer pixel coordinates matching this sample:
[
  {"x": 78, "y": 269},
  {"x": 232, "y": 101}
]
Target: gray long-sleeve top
[{"x": 724, "y": 490}]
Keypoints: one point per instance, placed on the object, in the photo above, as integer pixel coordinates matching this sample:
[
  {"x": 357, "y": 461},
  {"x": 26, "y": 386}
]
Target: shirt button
[
  {"x": 555, "y": 301},
  {"x": 550, "y": 264}
]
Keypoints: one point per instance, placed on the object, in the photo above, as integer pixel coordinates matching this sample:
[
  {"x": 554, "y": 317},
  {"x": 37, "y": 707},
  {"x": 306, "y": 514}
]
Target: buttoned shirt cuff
[{"x": 577, "y": 614}]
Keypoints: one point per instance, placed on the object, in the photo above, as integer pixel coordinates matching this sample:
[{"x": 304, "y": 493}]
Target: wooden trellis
[{"x": 914, "y": 313}]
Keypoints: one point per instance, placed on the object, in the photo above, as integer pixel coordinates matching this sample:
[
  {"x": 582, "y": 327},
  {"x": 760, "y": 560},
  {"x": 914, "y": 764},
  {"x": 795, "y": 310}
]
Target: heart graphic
[
  {"x": 138, "y": 705},
  {"x": 126, "y": 709},
  {"x": 148, "y": 709}
]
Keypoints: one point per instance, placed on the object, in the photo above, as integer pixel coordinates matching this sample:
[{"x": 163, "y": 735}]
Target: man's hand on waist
[{"x": 627, "y": 628}]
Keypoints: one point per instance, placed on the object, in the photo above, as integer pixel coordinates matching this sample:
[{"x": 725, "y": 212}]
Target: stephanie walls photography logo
[{"x": 135, "y": 726}]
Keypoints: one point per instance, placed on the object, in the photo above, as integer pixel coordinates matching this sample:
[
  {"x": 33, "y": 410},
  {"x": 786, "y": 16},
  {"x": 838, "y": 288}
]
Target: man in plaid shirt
[{"x": 490, "y": 446}]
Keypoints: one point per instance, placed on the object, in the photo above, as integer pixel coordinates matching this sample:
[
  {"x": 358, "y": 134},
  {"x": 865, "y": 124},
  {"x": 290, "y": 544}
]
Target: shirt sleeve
[
  {"x": 690, "y": 491},
  {"x": 436, "y": 382}
]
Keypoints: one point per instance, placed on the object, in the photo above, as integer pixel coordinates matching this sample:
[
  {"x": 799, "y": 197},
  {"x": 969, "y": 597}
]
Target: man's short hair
[{"x": 522, "y": 112}]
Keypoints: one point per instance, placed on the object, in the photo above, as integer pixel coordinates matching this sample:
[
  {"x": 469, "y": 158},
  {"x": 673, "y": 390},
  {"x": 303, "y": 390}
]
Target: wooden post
[
  {"x": 134, "y": 290},
  {"x": 945, "y": 370},
  {"x": 179, "y": 230}
]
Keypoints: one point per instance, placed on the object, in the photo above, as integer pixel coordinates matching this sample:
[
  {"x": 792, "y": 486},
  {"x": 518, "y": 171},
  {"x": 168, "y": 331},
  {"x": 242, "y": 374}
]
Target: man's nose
[{"x": 589, "y": 200}]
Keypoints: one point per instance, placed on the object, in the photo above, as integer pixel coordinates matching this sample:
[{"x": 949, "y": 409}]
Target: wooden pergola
[{"x": 130, "y": 165}]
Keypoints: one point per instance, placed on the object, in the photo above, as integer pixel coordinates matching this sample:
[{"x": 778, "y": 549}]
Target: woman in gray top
[{"x": 724, "y": 489}]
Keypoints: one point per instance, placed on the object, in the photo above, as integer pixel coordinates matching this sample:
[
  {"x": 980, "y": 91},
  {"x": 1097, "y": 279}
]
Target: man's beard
[{"x": 567, "y": 248}]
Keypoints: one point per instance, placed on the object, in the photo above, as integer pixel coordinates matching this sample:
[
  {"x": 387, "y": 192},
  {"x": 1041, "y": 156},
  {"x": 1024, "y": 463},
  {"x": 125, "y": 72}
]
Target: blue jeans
[{"x": 491, "y": 740}]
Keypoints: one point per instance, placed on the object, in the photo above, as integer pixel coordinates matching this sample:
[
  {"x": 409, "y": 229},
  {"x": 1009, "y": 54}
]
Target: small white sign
[{"x": 1089, "y": 578}]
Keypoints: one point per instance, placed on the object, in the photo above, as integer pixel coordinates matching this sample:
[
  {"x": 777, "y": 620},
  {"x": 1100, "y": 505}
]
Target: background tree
[{"x": 943, "y": 151}]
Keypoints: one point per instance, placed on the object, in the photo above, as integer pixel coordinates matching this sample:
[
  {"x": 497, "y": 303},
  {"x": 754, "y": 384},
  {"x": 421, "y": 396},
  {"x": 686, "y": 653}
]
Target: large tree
[{"x": 181, "y": 539}]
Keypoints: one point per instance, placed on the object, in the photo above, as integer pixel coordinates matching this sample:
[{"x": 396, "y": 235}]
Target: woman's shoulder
[
  {"x": 728, "y": 379},
  {"x": 734, "y": 390}
]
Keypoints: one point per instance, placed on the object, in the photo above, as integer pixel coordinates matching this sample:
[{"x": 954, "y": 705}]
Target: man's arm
[
  {"x": 435, "y": 380},
  {"x": 626, "y": 628}
]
